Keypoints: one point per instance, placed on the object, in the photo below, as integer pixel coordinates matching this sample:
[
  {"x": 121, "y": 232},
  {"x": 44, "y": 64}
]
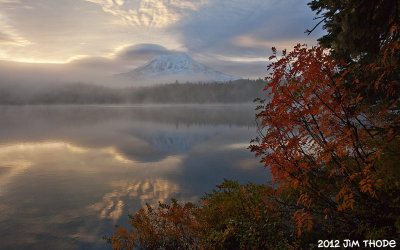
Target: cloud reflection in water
[{"x": 76, "y": 171}]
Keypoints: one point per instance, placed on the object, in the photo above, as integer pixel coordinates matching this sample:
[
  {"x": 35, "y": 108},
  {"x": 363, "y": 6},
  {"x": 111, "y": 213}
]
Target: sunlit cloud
[
  {"x": 149, "y": 13},
  {"x": 139, "y": 51},
  {"x": 231, "y": 27},
  {"x": 9, "y": 36},
  {"x": 235, "y": 36},
  {"x": 9, "y": 1},
  {"x": 243, "y": 145},
  {"x": 241, "y": 59},
  {"x": 250, "y": 41}
]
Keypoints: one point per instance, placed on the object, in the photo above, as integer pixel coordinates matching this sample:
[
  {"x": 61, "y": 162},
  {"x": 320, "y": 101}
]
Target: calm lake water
[{"x": 68, "y": 174}]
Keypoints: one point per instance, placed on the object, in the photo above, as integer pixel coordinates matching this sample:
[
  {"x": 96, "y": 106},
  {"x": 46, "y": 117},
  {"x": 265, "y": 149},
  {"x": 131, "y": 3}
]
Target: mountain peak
[
  {"x": 171, "y": 63},
  {"x": 175, "y": 67}
]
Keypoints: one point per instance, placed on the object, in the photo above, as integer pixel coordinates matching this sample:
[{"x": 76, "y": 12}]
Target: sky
[{"x": 114, "y": 36}]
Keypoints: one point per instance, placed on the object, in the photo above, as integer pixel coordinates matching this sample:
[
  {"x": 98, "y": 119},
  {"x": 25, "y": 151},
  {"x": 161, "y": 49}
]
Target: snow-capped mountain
[{"x": 175, "y": 67}]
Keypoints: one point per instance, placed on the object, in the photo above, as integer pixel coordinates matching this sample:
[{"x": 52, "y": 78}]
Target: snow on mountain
[{"x": 175, "y": 67}]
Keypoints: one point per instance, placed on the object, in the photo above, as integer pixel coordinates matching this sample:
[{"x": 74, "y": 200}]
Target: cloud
[
  {"x": 225, "y": 26},
  {"x": 149, "y": 13},
  {"x": 8, "y": 34},
  {"x": 123, "y": 58},
  {"x": 5, "y": 38},
  {"x": 89, "y": 62},
  {"x": 12, "y": 39},
  {"x": 225, "y": 33},
  {"x": 250, "y": 69},
  {"x": 58, "y": 32},
  {"x": 215, "y": 22},
  {"x": 144, "y": 51},
  {"x": 245, "y": 62}
]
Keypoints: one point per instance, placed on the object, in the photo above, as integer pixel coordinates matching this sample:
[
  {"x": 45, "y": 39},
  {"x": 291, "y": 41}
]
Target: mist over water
[{"x": 69, "y": 173}]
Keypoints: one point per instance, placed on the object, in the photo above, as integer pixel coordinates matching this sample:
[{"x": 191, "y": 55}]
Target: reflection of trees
[
  {"x": 166, "y": 138},
  {"x": 179, "y": 115},
  {"x": 239, "y": 91},
  {"x": 145, "y": 133}
]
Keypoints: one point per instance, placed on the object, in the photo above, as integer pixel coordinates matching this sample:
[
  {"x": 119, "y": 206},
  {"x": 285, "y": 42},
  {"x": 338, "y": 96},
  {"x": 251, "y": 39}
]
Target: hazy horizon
[{"x": 90, "y": 40}]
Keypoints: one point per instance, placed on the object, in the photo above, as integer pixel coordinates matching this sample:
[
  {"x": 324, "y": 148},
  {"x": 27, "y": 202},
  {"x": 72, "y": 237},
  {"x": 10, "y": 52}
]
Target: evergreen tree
[{"x": 357, "y": 28}]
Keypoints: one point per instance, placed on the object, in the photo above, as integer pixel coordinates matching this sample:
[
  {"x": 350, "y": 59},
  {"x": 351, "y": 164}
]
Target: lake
[{"x": 68, "y": 174}]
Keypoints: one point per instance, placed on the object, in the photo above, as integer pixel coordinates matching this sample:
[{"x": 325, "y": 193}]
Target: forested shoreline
[{"x": 239, "y": 91}]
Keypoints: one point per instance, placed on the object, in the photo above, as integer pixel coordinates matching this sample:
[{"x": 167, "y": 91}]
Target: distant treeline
[{"x": 239, "y": 91}]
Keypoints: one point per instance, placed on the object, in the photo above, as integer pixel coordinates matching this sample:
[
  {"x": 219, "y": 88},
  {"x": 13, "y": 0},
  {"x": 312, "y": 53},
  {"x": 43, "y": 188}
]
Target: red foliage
[{"x": 316, "y": 129}]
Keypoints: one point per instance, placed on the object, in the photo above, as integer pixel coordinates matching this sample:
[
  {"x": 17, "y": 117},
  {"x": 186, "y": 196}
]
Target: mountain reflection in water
[{"x": 69, "y": 173}]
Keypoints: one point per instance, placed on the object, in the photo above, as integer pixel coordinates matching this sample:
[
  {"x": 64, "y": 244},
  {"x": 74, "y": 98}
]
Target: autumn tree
[
  {"x": 329, "y": 151},
  {"x": 332, "y": 128}
]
